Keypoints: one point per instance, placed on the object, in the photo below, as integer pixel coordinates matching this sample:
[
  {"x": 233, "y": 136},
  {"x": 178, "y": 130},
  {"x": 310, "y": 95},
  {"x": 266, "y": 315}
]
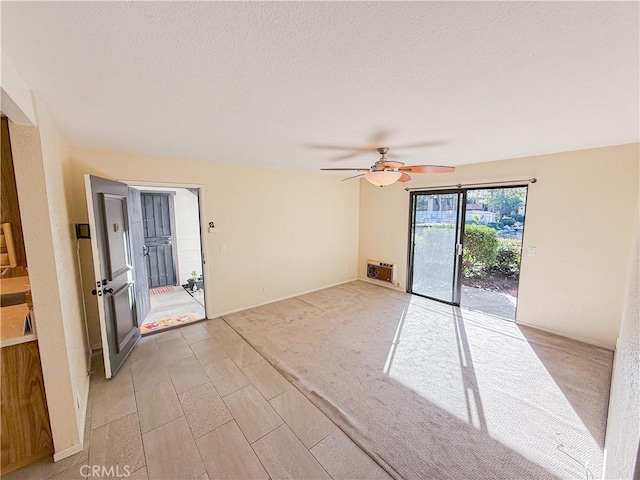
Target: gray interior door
[
  {"x": 157, "y": 222},
  {"x": 115, "y": 285}
]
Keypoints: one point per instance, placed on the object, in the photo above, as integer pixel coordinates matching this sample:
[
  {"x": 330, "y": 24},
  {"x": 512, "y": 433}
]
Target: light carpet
[{"x": 432, "y": 391}]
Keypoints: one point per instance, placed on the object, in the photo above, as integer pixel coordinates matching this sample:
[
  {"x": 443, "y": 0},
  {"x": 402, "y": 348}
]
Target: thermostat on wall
[{"x": 82, "y": 230}]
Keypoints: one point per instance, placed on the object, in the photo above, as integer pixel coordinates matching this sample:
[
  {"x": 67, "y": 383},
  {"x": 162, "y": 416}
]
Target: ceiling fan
[
  {"x": 378, "y": 138},
  {"x": 385, "y": 172}
]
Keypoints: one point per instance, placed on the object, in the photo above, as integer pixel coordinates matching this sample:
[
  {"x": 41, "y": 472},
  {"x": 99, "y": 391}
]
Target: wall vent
[{"x": 380, "y": 271}]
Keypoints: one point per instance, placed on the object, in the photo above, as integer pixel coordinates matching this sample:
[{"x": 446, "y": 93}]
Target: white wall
[
  {"x": 187, "y": 233},
  {"x": 15, "y": 96},
  {"x": 285, "y": 232},
  {"x": 41, "y": 160},
  {"x": 623, "y": 424},
  {"x": 580, "y": 217}
]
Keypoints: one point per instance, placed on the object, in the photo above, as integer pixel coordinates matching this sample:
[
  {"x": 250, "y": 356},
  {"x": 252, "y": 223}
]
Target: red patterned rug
[
  {"x": 161, "y": 290},
  {"x": 146, "y": 328}
]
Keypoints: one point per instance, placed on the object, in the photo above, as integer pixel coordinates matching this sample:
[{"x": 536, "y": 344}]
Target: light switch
[
  {"x": 531, "y": 251},
  {"x": 223, "y": 247}
]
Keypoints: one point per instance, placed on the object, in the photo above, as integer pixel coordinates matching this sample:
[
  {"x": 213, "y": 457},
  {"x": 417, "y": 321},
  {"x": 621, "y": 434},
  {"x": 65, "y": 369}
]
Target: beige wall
[
  {"x": 285, "y": 232},
  {"x": 623, "y": 423},
  {"x": 580, "y": 217},
  {"x": 41, "y": 158}
]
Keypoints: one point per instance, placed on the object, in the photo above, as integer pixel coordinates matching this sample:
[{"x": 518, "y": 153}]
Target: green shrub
[
  {"x": 493, "y": 225},
  {"x": 507, "y": 221},
  {"x": 480, "y": 249},
  {"x": 508, "y": 257}
]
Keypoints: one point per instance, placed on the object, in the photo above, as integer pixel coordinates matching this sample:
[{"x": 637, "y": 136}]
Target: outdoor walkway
[
  {"x": 179, "y": 302},
  {"x": 499, "y": 304}
]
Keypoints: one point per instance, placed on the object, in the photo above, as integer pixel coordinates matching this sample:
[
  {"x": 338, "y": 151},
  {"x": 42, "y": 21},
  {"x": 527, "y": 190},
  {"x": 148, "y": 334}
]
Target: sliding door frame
[
  {"x": 457, "y": 252},
  {"x": 460, "y": 227}
]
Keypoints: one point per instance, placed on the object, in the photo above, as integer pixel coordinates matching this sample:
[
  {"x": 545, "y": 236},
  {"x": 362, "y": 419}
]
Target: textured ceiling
[{"x": 257, "y": 82}]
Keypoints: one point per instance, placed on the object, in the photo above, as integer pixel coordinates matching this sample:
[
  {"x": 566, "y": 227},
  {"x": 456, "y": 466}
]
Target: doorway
[
  {"x": 120, "y": 273},
  {"x": 172, "y": 247},
  {"x": 159, "y": 224},
  {"x": 465, "y": 247}
]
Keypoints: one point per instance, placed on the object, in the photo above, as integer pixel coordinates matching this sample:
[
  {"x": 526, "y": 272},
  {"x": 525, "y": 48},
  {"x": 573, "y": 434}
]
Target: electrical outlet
[
  {"x": 531, "y": 251},
  {"x": 223, "y": 247},
  {"x": 265, "y": 289}
]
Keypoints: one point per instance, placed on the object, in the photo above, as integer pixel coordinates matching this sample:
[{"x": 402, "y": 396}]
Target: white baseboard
[
  {"x": 85, "y": 399},
  {"x": 83, "y": 422},
  {"x": 229, "y": 312},
  {"x": 67, "y": 452},
  {"x": 566, "y": 335}
]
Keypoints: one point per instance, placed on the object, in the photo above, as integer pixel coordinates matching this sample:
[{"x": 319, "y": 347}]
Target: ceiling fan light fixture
[{"x": 382, "y": 178}]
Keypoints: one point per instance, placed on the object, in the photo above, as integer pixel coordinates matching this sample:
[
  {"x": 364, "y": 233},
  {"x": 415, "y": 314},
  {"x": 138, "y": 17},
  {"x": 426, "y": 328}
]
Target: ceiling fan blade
[
  {"x": 331, "y": 147},
  {"x": 427, "y": 169},
  {"x": 434, "y": 143},
  {"x": 355, "y": 176},
  {"x": 348, "y": 148},
  {"x": 349, "y": 155},
  {"x": 346, "y": 169},
  {"x": 392, "y": 164},
  {"x": 377, "y": 139},
  {"x": 404, "y": 178}
]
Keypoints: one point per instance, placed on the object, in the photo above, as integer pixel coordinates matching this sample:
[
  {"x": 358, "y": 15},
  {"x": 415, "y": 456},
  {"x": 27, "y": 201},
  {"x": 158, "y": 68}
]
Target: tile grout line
[
  {"x": 144, "y": 453},
  {"x": 182, "y": 408},
  {"x": 321, "y": 411},
  {"x": 319, "y": 441},
  {"x": 247, "y": 440},
  {"x": 251, "y": 385},
  {"x": 215, "y": 389}
]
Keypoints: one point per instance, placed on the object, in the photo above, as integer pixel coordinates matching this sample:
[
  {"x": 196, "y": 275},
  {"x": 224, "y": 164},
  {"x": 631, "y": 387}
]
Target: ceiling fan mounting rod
[{"x": 378, "y": 167}]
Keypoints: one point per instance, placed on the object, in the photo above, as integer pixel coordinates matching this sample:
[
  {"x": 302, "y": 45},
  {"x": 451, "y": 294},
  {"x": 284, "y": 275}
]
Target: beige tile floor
[{"x": 199, "y": 403}]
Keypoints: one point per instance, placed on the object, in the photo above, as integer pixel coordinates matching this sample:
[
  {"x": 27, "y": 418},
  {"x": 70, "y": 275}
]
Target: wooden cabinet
[{"x": 26, "y": 433}]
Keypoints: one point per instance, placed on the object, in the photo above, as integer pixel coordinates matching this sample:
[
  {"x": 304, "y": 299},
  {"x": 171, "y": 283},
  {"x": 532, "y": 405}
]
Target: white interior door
[{"x": 113, "y": 264}]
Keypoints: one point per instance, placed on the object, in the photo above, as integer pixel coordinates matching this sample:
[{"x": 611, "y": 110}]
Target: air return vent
[{"x": 380, "y": 271}]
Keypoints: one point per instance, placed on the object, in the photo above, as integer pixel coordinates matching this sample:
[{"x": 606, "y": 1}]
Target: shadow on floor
[{"x": 426, "y": 390}]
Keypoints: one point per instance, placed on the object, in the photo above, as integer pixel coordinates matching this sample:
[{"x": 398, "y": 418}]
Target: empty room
[{"x": 337, "y": 240}]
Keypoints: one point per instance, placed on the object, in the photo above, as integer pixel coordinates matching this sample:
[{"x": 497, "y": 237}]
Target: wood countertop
[
  {"x": 12, "y": 316},
  {"x": 14, "y": 285}
]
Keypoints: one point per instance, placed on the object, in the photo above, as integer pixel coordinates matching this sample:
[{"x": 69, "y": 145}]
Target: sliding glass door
[{"x": 435, "y": 249}]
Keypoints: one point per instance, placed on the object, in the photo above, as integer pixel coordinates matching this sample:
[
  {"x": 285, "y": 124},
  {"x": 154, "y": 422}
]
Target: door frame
[
  {"x": 203, "y": 226},
  {"x": 457, "y": 271},
  {"x": 460, "y": 227},
  {"x": 172, "y": 221}
]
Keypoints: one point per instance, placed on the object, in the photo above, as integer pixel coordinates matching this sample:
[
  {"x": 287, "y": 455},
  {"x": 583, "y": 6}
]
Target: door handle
[
  {"x": 145, "y": 250},
  {"x": 108, "y": 290},
  {"x": 459, "y": 249}
]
